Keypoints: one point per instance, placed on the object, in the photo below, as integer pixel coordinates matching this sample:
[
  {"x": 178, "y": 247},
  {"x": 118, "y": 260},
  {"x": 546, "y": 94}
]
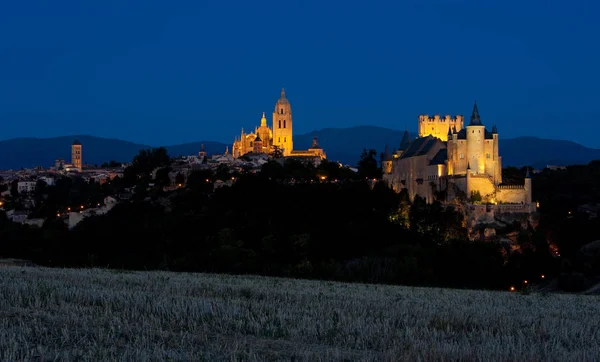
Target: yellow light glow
[
  {"x": 81, "y": 207},
  {"x": 525, "y": 281},
  {"x": 58, "y": 215},
  {"x": 1, "y": 203},
  {"x": 512, "y": 289},
  {"x": 68, "y": 209},
  {"x": 543, "y": 276},
  {"x": 179, "y": 185}
]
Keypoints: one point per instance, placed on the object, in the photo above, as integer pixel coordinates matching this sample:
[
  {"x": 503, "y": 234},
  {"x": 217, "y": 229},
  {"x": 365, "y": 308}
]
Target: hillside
[
  {"x": 340, "y": 144},
  {"x": 539, "y": 152},
  {"x": 346, "y": 144},
  {"x": 94, "y": 314},
  {"x": 31, "y": 152}
]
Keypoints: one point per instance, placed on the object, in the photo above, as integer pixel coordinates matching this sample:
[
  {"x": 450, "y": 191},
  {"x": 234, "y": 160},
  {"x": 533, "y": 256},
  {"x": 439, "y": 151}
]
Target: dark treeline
[{"x": 291, "y": 220}]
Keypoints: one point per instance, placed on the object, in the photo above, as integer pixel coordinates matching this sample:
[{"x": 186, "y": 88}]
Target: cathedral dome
[
  {"x": 283, "y": 105},
  {"x": 282, "y": 98}
]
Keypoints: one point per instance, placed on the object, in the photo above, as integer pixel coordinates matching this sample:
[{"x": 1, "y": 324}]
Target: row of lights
[
  {"x": 80, "y": 208},
  {"x": 525, "y": 283}
]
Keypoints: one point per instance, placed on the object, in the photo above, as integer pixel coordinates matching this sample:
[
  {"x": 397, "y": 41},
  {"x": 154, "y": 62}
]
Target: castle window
[
  {"x": 473, "y": 131},
  {"x": 284, "y": 123},
  {"x": 279, "y": 140},
  {"x": 487, "y": 155},
  {"x": 281, "y": 111},
  {"x": 284, "y": 139},
  {"x": 251, "y": 143},
  {"x": 279, "y": 123},
  {"x": 462, "y": 155}
]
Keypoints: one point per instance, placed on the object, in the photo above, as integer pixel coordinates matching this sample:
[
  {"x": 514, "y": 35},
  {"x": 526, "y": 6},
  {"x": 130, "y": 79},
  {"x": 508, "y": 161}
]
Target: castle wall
[
  {"x": 513, "y": 194},
  {"x": 459, "y": 155},
  {"x": 415, "y": 174},
  {"x": 438, "y": 127},
  {"x": 481, "y": 183}
]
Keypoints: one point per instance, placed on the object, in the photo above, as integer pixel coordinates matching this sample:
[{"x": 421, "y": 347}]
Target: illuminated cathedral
[{"x": 267, "y": 139}]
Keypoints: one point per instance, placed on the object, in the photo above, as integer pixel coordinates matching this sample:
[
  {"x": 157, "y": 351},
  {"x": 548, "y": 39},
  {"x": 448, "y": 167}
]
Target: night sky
[{"x": 167, "y": 72}]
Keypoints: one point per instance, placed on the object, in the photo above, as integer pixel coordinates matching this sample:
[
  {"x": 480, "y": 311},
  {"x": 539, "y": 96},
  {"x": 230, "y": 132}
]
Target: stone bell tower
[
  {"x": 282, "y": 125},
  {"x": 76, "y": 160}
]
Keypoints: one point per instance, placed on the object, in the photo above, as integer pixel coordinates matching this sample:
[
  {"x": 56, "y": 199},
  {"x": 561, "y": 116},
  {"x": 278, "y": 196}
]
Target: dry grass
[{"x": 55, "y": 314}]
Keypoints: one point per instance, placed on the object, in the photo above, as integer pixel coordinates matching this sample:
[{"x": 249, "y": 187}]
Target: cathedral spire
[{"x": 475, "y": 119}]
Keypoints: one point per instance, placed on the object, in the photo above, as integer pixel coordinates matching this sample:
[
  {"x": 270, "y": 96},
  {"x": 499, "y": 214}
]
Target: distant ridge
[
  {"x": 31, "y": 152},
  {"x": 340, "y": 144}
]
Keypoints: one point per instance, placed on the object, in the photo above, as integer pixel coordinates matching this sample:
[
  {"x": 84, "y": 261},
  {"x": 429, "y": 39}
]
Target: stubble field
[{"x": 57, "y": 314}]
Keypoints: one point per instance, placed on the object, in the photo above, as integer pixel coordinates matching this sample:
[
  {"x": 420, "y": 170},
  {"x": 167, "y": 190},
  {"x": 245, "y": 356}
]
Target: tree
[
  {"x": 222, "y": 172},
  {"x": 368, "y": 166},
  {"x": 14, "y": 189},
  {"x": 144, "y": 163},
  {"x": 476, "y": 196},
  {"x": 41, "y": 191},
  {"x": 273, "y": 170},
  {"x": 276, "y": 153},
  {"x": 162, "y": 177},
  {"x": 179, "y": 178},
  {"x": 111, "y": 164}
]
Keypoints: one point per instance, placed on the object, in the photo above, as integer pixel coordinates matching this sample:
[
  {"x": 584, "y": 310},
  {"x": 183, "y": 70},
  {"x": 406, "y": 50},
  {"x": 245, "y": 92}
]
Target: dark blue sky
[{"x": 165, "y": 72}]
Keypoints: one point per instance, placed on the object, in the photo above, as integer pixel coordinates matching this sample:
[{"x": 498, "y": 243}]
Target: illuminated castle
[
  {"x": 265, "y": 139},
  {"x": 450, "y": 161}
]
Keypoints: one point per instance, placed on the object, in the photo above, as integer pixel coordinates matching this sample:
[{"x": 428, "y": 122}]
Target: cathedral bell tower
[{"x": 282, "y": 125}]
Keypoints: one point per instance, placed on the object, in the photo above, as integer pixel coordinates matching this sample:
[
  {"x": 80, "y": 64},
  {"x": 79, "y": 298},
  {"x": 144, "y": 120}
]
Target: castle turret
[
  {"x": 496, "y": 157},
  {"x": 468, "y": 190},
  {"x": 527, "y": 187},
  {"x": 386, "y": 161},
  {"x": 475, "y": 142},
  {"x": 282, "y": 125}
]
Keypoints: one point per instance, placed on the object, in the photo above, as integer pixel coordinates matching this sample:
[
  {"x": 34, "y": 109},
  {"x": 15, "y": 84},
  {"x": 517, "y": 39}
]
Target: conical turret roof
[
  {"x": 387, "y": 156},
  {"x": 475, "y": 119},
  {"x": 405, "y": 141}
]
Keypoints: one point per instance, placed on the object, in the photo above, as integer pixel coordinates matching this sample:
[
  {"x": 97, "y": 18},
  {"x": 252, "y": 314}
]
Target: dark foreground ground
[{"x": 92, "y": 314}]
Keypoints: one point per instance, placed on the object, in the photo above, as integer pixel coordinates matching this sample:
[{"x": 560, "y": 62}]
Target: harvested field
[{"x": 94, "y": 314}]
